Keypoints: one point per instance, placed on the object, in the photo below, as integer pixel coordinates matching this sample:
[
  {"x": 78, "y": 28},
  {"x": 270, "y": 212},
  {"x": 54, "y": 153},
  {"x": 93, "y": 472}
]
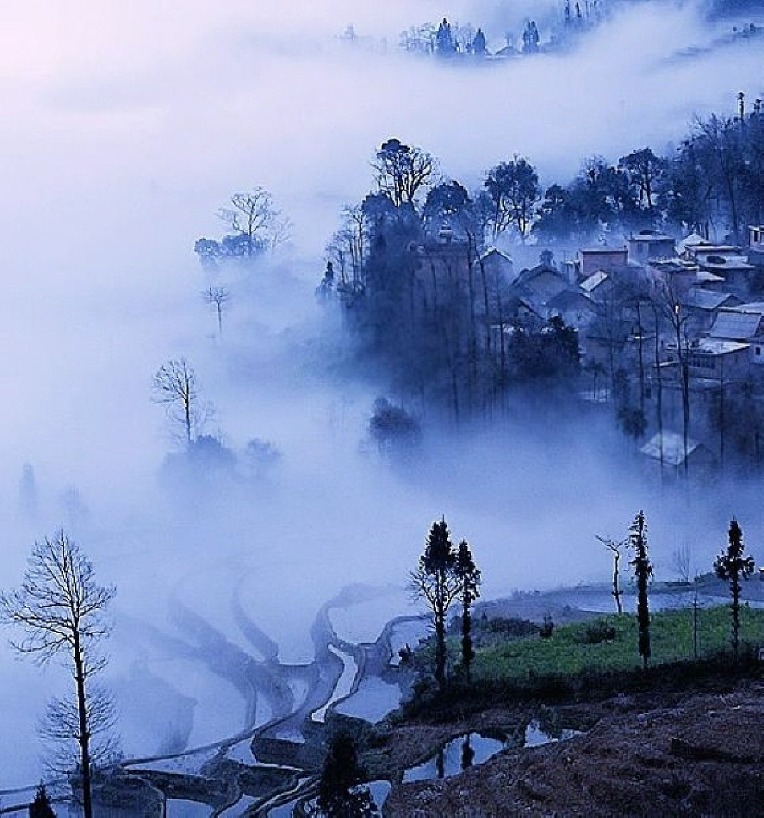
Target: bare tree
[
  {"x": 175, "y": 387},
  {"x": 667, "y": 305},
  {"x": 616, "y": 549},
  {"x": 60, "y": 726},
  {"x": 681, "y": 562},
  {"x": 60, "y": 608},
  {"x": 254, "y": 216},
  {"x": 218, "y": 297}
]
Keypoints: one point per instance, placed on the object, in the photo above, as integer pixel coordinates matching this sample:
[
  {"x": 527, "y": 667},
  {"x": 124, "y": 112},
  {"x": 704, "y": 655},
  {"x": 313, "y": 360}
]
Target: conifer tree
[
  {"x": 731, "y": 565},
  {"x": 643, "y": 572},
  {"x": 436, "y": 582},
  {"x": 40, "y": 807},
  {"x": 469, "y": 590}
]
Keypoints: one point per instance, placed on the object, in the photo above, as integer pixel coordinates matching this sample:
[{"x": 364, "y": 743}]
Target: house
[
  {"x": 607, "y": 259},
  {"x": 750, "y": 307},
  {"x": 734, "y": 269},
  {"x": 701, "y": 306},
  {"x": 574, "y": 307},
  {"x": 539, "y": 284},
  {"x": 756, "y": 246},
  {"x": 698, "y": 251},
  {"x": 734, "y": 325},
  {"x": 718, "y": 359},
  {"x": 678, "y": 274},
  {"x": 756, "y": 341},
  {"x": 498, "y": 266},
  {"x": 667, "y": 452},
  {"x": 756, "y": 238},
  {"x": 597, "y": 286},
  {"x": 648, "y": 245},
  {"x": 710, "y": 281},
  {"x": 684, "y": 247}
]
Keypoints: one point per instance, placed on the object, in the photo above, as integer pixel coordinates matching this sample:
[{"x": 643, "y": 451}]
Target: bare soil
[{"x": 696, "y": 755}]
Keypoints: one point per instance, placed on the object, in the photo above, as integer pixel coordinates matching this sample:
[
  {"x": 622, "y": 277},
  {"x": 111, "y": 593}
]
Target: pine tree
[
  {"x": 730, "y": 565},
  {"x": 40, "y": 807},
  {"x": 643, "y": 572},
  {"x": 436, "y": 582},
  {"x": 469, "y": 590}
]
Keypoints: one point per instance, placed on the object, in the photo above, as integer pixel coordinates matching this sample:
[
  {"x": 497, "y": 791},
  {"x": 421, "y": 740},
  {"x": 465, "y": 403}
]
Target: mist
[{"x": 125, "y": 130}]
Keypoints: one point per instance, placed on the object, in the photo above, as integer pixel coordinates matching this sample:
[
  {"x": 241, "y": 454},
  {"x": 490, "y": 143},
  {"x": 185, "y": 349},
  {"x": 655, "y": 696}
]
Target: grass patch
[
  {"x": 571, "y": 666},
  {"x": 571, "y": 651}
]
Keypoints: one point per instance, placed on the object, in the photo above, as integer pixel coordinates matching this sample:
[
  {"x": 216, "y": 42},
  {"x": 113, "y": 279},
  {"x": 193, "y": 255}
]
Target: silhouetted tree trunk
[
  {"x": 468, "y": 576},
  {"x": 659, "y": 385},
  {"x": 643, "y": 571}
]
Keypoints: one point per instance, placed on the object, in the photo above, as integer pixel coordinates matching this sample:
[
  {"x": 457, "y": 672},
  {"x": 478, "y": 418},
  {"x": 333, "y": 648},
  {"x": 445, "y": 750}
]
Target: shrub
[{"x": 599, "y": 632}]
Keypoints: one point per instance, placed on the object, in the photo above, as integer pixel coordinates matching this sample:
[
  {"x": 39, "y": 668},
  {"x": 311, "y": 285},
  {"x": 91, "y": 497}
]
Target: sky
[{"x": 125, "y": 128}]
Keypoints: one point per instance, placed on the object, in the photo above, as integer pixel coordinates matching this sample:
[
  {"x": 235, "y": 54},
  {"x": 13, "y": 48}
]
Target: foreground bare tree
[
  {"x": 60, "y": 609},
  {"x": 175, "y": 387}
]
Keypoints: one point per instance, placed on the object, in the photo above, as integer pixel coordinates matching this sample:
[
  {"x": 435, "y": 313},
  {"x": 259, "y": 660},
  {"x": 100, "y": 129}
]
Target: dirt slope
[{"x": 701, "y": 757}]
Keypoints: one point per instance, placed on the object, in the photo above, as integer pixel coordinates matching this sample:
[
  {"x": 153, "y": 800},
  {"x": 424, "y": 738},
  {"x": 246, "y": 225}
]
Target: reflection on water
[
  {"x": 373, "y": 700},
  {"x": 455, "y": 756},
  {"x": 178, "y": 808},
  {"x": 475, "y": 748}
]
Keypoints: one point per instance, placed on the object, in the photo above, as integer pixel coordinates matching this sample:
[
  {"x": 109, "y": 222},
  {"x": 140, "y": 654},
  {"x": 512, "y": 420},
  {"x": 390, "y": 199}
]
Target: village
[{"x": 670, "y": 335}]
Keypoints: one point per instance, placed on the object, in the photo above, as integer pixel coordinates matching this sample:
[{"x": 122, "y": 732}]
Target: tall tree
[
  {"x": 219, "y": 298},
  {"x": 646, "y": 175},
  {"x": 556, "y": 216},
  {"x": 61, "y": 609},
  {"x": 514, "y": 190},
  {"x": 447, "y": 202},
  {"x": 690, "y": 189},
  {"x": 340, "y": 794},
  {"x": 176, "y": 388},
  {"x": 643, "y": 571},
  {"x": 254, "y": 218},
  {"x": 436, "y": 582},
  {"x": 469, "y": 581},
  {"x": 730, "y": 566},
  {"x": 402, "y": 170}
]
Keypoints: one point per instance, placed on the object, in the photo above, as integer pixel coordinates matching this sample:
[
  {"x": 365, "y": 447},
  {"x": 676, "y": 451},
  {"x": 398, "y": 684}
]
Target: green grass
[{"x": 567, "y": 652}]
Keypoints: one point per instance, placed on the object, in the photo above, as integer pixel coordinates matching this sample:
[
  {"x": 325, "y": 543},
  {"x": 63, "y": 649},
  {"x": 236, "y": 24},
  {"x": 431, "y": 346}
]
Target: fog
[{"x": 125, "y": 129}]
